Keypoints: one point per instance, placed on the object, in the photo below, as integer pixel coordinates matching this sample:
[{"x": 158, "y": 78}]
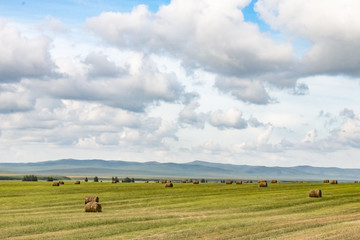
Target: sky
[{"x": 262, "y": 82}]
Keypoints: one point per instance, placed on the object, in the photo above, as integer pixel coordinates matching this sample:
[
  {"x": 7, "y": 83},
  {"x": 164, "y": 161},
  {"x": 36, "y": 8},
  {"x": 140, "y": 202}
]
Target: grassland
[{"x": 36, "y": 210}]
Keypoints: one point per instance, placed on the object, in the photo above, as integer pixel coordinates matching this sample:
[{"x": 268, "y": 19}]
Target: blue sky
[{"x": 246, "y": 82}]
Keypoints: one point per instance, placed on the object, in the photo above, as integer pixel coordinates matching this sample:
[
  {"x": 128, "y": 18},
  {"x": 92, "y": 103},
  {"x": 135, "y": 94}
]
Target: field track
[{"x": 37, "y": 210}]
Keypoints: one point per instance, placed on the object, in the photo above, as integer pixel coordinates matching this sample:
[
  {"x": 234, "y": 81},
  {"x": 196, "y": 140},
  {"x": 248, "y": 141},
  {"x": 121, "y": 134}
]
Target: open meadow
[{"x": 37, "y": 210}]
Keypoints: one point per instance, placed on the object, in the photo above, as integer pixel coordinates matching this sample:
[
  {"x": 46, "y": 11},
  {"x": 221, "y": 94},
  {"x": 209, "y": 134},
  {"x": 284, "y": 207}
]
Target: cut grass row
[{"x": 36, "y": 210}]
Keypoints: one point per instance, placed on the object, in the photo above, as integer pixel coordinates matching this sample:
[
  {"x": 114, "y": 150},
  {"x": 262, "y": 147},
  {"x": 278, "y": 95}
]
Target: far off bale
[
  {"x": 156, "y": 181},
  {"x": 113, "y": 181},
  {"x": 146, "y": 181},
  {"x": 260, "y": 181},
  {"x": 245, "y": 181},
  {"x": 56, "y": 184},
  {"x": 229, "y": 182},
  {"x": 163, "y": 181},
  {"x": 183, "y": 181},
  {"x": 356, "y": 182},
  {"x": 168, "y": 184},
  {"x": 91, "y": 199},
  {"x": 315, "y": 193},
  {"x": 93, "y": 207},
  {"x": 77, "y": 182},
  {"x": 196, "y": 182},
  {"x": 326, "y": 181},
  {"x": 300, "y": 181},
  {"x": 334, "y": 182},
  {"x": 187, "y": 181},
  {"x": 238, "y": 182},
  {"x": 61, "y": 182},
  {"x": 273, "y": 181},
  {"x": 263, "y": 184}
]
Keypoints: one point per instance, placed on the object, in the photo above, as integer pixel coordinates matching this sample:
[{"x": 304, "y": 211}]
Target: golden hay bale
[
  {"x": 61, "y": 182},
  {"x": 169, "y": 184},
  {"x": 77, "y": 182},
  {"x": 156, "y": 181},
  {"x": 260, "y": 181},
  {"x": 356, "y": 182},
  {"x": 163, "y": 181},
  {"x": 300, "y": 181},
  {"x": 229, "y": 182},
  {"x": 334, "y": 182},
  {"x": 196, "y": 182},
  {"x": 93, "y": 207},
  {"x": 326, "y": 181},
  {"x": 91, "y": 199},
  {"x": 56, "y": 184},
  {"x": 183, "y": 181},
  {"x": 113, "y": 181},
  {"x": 245, "y": 181},
  {"x": 146, "y": 181},
  {"x": 273, "y": 181},
  {"x": 238, "y": 182},
  {"x": 315, "y": 193},
  {"x": 187, "y": 181},
  {"x": 263, "y": 184}
]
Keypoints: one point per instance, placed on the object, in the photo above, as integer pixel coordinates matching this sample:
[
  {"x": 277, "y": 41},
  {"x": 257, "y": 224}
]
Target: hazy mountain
[{"x": 195, "y": 169}]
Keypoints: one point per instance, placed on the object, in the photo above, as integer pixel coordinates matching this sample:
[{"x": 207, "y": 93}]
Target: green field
[{"x": 37, "y": 210}]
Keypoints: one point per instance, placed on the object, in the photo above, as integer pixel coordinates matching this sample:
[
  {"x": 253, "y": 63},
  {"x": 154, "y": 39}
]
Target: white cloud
[
  {"x": 189, "y": 116},
  {"x": 22, "y": 57},
  {"x": 232, "y": 118}
]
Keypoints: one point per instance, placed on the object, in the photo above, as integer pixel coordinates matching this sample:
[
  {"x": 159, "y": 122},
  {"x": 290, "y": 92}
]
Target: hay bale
[
  {"x": 91, "y": 199},
  {"x": 61, "y": 182},
  {"x": 77, "y": 182},
  {"x": 163, "y": 181},
  {"x": 315, "y": 193},
  {"x": 273, "y": 181},
  {"x": 260, "y": 181},
  {"x": 56, "y": 184},
  {"x": 146, "y": 181},
  {"x": 93, "y": 207},
  {"x": 300, "y": 181},
  {"x": 196, "y": 182},
  {"x": 263, "y": 184},
  {"x": 229, "y": 182},
  {"x": 113, "y": 181},
  {"x": 183, "y": 181},
  {"x": 245, "y": 181},
  {"x": 187, "y": 181},
  {"x": 168, "y": 184},
  {"x": 326, "y": 181},
  {"x": 156, "y": 181},
  {"x": 356, "y": 182},
  {"x": 334, "y": 182},
  {"x": 238, "y": 182}
]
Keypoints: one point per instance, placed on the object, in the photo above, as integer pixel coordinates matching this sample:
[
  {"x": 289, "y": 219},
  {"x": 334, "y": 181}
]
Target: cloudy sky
[{"x": 262, "y": 82}]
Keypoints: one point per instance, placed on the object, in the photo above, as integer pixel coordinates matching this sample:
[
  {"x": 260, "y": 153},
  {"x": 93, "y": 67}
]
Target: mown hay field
[{"x": 37, "y": 210}]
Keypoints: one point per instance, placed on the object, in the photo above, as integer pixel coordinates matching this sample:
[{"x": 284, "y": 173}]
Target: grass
[{"x": 37, "y": 210}]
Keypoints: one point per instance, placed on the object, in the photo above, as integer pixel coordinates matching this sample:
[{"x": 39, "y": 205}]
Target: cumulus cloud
[
  {"x": 101, "y": 66},
  {"x": 15, "y": 98},
  {"x": 232, "y": 118},
  {"x": 332, "y": 29},
  {"x": 22, "y": 57},
  {"x": 53, "y": 24},
  {"x": 189, "y": 115},
  {"x": 206, "y": 35}
]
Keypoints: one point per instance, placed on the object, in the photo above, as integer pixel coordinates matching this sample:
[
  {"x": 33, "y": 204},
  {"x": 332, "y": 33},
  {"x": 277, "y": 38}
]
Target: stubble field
[{"x": 37, "y": 210}]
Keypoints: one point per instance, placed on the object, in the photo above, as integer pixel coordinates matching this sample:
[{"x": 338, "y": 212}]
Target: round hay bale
[
  {"x": 77, "y": 182},
  {"x": 326, "y": 181},
  {"x": 229, "y": 182},
  {"x": 146, "y": 181},
  {"x": 196, "y": 182},
  {"x": 356, "y": 182},
  {"x": 334, "y": 182},
  {"x": 238, "y": 182},
  {"x": 93, "y": 207},
  {"x": 163, "y": 181},
  {"x": 156, "y": 181},
  {"x": 61, "y": 182},
  {"x": 263, "y": 184},
  {"x": 168, "y": 184},
  {"x": 245, "y": 181},
  {"x": 260, "y": 181},
  {"x": 315, "y": 193},
  {"x": 91, "y": 199},
  {"x": 187, "y": 181},
  {"x": 56, "y": 184},
  {"x": 113, "y": 181},
  {"x": 273, "y": 181},
  {"x": 183, "y": 181},
  {"x": 300, "y": 181}
]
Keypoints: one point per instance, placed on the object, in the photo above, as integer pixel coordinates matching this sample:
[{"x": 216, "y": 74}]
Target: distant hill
[{"x": 195, "y": 169}]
